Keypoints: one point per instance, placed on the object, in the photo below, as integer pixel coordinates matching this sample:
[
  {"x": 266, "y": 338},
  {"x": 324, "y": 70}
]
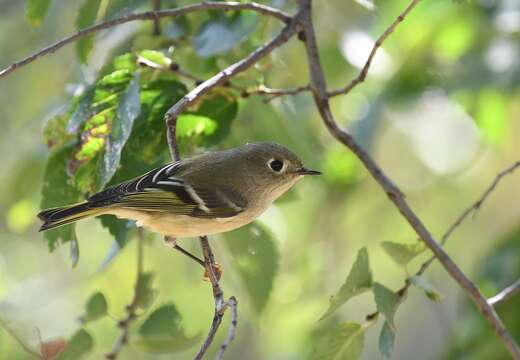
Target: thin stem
[
  {"x": 22, "y": 344},
  {"x": 156, "y": 6},
  {"x": 131, "y": 308},
  {"x": 364, "y": 70},
  {"x": 148, "y": 15},
  {"x": 232, "y": 303},
  {"x": 505, "y": 294},
  {"x": 321, "y": 98}
]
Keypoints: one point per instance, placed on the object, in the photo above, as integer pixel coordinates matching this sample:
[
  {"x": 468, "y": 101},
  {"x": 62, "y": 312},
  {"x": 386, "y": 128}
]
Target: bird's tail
[{"x": 67, "y": 214}]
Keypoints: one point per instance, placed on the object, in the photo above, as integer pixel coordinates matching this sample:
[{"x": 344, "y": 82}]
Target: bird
[{"x": 210, "y": 193}]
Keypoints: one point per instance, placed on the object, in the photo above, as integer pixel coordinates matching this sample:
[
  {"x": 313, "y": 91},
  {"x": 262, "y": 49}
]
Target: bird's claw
[{"x": 217, "y": 270}]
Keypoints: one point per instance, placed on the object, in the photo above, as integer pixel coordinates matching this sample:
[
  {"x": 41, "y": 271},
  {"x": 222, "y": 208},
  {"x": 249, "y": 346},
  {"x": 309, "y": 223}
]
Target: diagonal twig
[
  {"x": 22, "y": 344},
  {"x": 364, "y": 70},
  {"x": 321, "y": 98},
  {"x": 131, "y": 308},
  {"x": 505, "y": 294},
  {"x": 471, "y": 210},
  {"x": 149, "y": 15}
]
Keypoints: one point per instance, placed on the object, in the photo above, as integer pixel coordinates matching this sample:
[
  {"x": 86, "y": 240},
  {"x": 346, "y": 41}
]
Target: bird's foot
[{"x": 217, "y": 270}]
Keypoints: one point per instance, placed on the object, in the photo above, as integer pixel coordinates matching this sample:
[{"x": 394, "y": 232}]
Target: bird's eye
[{"x": 276, "y": 165}]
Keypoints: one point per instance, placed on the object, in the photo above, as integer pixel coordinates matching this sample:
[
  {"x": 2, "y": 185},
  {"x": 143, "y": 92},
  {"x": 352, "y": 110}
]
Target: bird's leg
[{"x": 172, "y": 242}]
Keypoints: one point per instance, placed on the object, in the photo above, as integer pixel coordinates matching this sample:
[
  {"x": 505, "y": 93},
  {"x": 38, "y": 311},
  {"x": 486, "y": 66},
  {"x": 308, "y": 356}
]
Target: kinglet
[{"x": 206, "y": 194}]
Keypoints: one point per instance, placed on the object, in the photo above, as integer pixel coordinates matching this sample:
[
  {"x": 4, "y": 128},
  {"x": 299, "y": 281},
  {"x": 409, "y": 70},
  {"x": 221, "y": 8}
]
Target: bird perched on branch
[{"x": 207, "y": 194}]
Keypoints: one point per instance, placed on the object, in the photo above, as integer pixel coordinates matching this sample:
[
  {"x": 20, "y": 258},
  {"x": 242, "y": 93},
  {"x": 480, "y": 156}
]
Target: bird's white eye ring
[{"x": 276, "y": 165}]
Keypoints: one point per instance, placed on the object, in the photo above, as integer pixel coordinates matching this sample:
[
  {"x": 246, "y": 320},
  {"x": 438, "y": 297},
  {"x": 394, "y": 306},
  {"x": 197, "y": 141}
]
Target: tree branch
[
  {"x": 131, "y": 308},
  {"x": 156, "y": 6},
  {"x": 321, "y": 98},
  {"x": 22, "y": 344},
  {"x": 472, "y": 209},
  {"x": 230, "y": 71},
  {"x": 364, "y": 71},
  {"x": 505, "y": 294},
  {"x": 149, "y": 15}
]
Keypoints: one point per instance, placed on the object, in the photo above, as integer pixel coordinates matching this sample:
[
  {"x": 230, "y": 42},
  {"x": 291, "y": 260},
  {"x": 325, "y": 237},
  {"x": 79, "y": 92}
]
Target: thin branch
[
  {"x": 364, "y": 71},
  {"x": 156, "y": 6},
  {"x": 149, "y": 15},
  {"x": 319, "y": 89},
  {"x": 131, "y": 308},
  {"x": 471, "y": 210},
  {"x": 272, "y": 93},
  {"x": 22, "y": 344},
  {"x": 232, "y": 304},
  {"x": 260, "y": 90},
  {"x": 218, "y": 295},
  {"x": 505, "y": 294},
  {"x": 230, "y": 71}
]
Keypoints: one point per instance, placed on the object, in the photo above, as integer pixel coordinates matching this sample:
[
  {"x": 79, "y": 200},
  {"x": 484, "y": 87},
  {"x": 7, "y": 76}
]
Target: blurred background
[{"x": 439, "y": 112}]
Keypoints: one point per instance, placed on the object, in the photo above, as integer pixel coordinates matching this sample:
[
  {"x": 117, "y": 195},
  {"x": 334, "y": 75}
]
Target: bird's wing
[{"x": 160, "y": 190}]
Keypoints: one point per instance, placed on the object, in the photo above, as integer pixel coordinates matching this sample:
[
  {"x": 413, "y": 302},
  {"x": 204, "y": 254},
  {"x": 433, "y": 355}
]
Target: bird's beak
[{"x": 304, "y": 171}]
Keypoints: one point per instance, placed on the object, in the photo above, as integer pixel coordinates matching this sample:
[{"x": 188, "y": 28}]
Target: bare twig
[
  {"x": 131, "y": 308},
  {"x": 364, "y": 71},
  {"x": 319, "y": 89},
  {"x": 232, "y": 304},
  {"x": 505, "y": 294},
  {"x": 275, "y": 93},
  {"x": 472, "y": 209},
  {"x": 149, "y": 15},
  {"x": 156, "y": 6},
  {"x": 22, "y": 344}
]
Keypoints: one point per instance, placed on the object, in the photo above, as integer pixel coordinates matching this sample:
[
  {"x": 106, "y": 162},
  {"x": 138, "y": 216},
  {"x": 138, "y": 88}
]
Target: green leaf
[
  {"x": 221, "y": 35},
  {"x": 145, "y": 292},
  {"x": 82, "y": 111},
  {"x": 191, "y": 125},
  {"x": 54, "y": 131},
  {"x": 429, "y": 290},
  {"x": 338, "y": 342},
  {"x": 156, "y": 58},
  {"x": 96, "y": 308},
  {"x": 164, "y": 320},
  {"x": 57, "y": 191},
  {"x": 128, "y": 110},
  {"x": 166, "y": 344},
  {"x": 36, "y": 10},
  {"x": 162, "y": 332},
  {"x": 118, "y": 228},
  {"x": 79, "y": 345},
  {"x": 386, "y": 301},
  {"x": 222, "y": 107},
  {"x": 403, "y": 253},
  {"x": 386, "y": 339},
  {"x": 255, "y": 258},
  {"x": 87, "y": 16},
  {"x": 358, "y": 281}
]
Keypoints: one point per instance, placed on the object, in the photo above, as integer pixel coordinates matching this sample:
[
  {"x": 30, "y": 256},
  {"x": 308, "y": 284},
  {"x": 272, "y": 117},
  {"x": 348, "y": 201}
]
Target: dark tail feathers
[{"x": 66, "y": 214}]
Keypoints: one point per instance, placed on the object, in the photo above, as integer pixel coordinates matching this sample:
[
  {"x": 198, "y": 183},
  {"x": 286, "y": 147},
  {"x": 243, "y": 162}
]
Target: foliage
[
  {"x": 358, "y": 281},
  {"x": 457, "y": 57},
  {"x": 256, "y": 257}
]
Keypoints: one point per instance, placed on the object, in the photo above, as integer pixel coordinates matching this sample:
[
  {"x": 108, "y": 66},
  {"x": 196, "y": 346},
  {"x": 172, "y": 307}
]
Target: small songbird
[{"x": 206, "y": 194}]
